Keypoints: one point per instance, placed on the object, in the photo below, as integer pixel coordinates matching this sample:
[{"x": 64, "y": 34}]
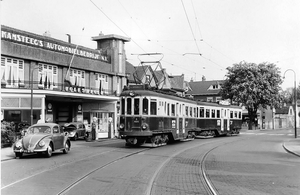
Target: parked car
[
  {"x": 76, "y": 130},
  {"x": 43, "y": 138}
]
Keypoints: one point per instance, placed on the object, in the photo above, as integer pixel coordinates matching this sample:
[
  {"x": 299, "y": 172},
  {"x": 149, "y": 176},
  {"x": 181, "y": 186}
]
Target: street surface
[{"x": 252, "y": 163}]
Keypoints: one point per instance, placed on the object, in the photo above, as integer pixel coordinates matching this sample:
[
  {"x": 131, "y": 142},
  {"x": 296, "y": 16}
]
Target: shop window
[
  {"x": 129, "y": 105},
  {"x": 47, "y": 75},
  {"x": 136, "y": 106},
  {"x": 153, "y": 107},
  {"x": 12, "y": 71}
]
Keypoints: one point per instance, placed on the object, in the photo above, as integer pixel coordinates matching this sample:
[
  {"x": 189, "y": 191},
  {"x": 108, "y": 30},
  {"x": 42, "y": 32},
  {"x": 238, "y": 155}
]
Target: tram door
[{"x": 180, "y": 133}]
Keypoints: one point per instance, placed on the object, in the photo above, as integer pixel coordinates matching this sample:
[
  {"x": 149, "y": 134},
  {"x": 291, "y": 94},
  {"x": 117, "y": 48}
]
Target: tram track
[{"x": 73, "y": 184}]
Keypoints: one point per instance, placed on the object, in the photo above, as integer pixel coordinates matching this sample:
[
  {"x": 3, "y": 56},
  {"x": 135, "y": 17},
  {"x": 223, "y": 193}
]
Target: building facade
[{"x": 57, "y": 81}]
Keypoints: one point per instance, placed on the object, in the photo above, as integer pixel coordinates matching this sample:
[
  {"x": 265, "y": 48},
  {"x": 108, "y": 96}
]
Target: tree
[{"x": 253, "y": 86}]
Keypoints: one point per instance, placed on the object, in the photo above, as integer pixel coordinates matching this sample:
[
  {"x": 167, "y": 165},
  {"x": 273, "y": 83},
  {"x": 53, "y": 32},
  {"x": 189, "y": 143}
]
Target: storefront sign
[{"x": 47, "y": 44}]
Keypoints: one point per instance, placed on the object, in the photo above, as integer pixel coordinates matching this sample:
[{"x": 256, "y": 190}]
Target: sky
[{"x": 224, "y": 32}]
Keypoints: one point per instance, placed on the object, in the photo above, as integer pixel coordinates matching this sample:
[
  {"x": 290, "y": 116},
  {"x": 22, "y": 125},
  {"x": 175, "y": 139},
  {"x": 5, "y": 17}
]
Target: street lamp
[
  {"x": 295, "y": 96},
  {"x": 31, "y": 97}
]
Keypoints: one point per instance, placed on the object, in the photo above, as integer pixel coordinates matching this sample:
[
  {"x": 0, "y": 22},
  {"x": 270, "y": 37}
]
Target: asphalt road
[{"x": 251, "y": 163}]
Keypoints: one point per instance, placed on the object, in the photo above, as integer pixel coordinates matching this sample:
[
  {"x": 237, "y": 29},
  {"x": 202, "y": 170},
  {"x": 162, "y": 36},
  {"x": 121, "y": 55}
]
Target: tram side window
[
  {"x": 145, "y": 106},
  {"x": 153, "y": 108},
  {"x": 186, "y": 111},
  {"x": 201, "y": 112},
  {"x": 235, "y": 114},
  {"x": 168, "y": 109},
  {"x": 137, "y": 106},
  {"x": 123, "y": 106},
  {"x": 218, "y": 113},
  {"x": 207, "y": 115},
  {"x": 128, "y": 105},
  {"x": 195, "y": 112},
  {"x": 191, "y": 111},
  {"x": 173, "y": 109},
  {"x": 231, "y": 114},
  {"x": 240, "y": 115},
  {"x": 213, "y": 113}
]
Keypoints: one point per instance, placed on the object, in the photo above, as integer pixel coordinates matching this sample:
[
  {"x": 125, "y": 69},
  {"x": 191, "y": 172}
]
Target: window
[
  {"x": 136, "y": 106},
  {"x": 168, "y": 109},
  {"x": 153, "y": 107},
  {"x": 195, "y": 112},
  {"x": 77, "y": 78},
  {"x": 12, "y": 71},
  {"x": 123, "y": 106},
  {"x": 218, "y": 113},
  {"x": 48, "y": 76},
  {"x": 207, "y": 115},
  {"x": 145, "y": 106},
  {"x": 129, "y": 105},
  {"x": 173, "y": 109},
  {"x": 201, "y": 112},
  {"x": 231, "y": 114},
  {"x": 186, "y": 111},
  {"x": 209, "y": 99},
  {"x": 213, "y": 113},
  {"x": 240, "y": 115},
  {"x": 101, "y": 83},
  {"x": 191, "y": 111},
  {"x": 147, "y": 79},
  {"x": 235, "y": 114}
]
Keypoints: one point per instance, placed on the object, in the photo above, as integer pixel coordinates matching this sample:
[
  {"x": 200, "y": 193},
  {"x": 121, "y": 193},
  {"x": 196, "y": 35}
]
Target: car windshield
[
  {"x": 39, "y": 129},
  {"x": 70, "y": 128}
]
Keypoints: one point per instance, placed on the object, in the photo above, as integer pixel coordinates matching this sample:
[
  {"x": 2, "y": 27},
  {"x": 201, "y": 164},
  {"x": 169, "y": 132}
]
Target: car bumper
[{"x": 30, "y": 150}]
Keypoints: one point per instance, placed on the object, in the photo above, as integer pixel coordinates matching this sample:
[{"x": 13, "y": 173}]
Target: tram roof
[{"x": 163, "y": 94}]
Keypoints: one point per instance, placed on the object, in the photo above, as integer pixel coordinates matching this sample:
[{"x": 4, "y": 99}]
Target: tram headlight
[
  {"x": 121, "y": 126},
  {"x": 144, "y": 126}
]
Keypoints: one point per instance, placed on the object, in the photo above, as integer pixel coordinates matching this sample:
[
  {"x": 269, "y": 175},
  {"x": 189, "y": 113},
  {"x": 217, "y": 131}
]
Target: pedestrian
[
  {"x": 94, "y": 125},
  {"x": 41, "y": 120}
]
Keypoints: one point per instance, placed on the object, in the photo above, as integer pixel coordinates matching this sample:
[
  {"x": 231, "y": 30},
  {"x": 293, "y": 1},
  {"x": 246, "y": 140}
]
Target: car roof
[{"x": 45, "y": 124}]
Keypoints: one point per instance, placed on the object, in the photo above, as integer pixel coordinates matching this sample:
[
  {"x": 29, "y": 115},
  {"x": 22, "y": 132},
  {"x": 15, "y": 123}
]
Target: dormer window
[{"x": 214, "y": 87}]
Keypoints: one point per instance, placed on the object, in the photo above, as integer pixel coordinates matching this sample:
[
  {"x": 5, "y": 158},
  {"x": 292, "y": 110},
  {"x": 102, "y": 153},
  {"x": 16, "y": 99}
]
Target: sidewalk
[{"x": 292, "y": 146}]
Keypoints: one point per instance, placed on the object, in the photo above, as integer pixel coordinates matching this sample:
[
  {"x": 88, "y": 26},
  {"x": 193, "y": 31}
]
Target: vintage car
[
  {"x": 76, "y": 130},
  {"x": 43, "y": 138}
]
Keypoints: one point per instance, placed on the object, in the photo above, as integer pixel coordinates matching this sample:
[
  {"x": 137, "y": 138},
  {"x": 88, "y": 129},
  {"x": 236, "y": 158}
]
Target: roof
[
  {"x": 111, "y": 36},
  {"x": 177, "y": 82},
  {"x": 201, "y": 87}
]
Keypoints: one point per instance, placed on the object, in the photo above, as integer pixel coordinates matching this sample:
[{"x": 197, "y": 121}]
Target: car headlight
[
  {"x": 19, "y": 144},
  {"x": 122, "y": 126},
  {"x": 71, "y": 133},
  {"x": 42, "y": 143}
]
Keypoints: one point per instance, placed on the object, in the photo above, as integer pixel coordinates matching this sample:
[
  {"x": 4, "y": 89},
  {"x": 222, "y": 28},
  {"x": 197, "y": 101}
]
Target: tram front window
[
  {"x": 145, "y": 106},
  {"x": 128, "y": 105},
  {"x": 136, "y": 106}
]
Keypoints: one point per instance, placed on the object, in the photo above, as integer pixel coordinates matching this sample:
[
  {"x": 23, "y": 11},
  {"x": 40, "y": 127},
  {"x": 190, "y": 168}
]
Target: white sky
[{"x": 223, "y": 31}]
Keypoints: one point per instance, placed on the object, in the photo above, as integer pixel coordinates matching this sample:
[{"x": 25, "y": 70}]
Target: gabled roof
[
  {"x": 202, "y": 87},
  {"x": 177, "y": 82}
]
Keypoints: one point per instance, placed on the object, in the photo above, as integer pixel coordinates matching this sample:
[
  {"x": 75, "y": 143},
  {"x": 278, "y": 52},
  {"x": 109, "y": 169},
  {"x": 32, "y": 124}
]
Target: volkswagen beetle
[{"x": 43, "y": 138}]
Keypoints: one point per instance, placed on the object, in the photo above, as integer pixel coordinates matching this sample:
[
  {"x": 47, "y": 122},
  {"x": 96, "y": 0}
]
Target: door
[{"x": 58, "y": 138}]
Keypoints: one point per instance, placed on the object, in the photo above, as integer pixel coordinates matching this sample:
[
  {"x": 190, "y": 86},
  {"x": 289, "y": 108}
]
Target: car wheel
[
  {"x": 19, "y": 154},
  {"x": 67, "y": 148},
  {"x": 49, "y": 151}
]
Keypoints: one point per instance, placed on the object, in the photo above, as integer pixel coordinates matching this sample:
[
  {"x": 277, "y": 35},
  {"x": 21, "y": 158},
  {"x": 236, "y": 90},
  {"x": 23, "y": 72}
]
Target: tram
[{"x": 154, "y": 116}]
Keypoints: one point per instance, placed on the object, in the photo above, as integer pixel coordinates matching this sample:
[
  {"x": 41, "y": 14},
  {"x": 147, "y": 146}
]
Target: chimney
[{"x": 69, "y": 38}]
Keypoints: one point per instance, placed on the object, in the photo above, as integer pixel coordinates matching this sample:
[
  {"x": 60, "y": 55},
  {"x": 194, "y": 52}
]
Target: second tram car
[{"x": 157, "y": 117}]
